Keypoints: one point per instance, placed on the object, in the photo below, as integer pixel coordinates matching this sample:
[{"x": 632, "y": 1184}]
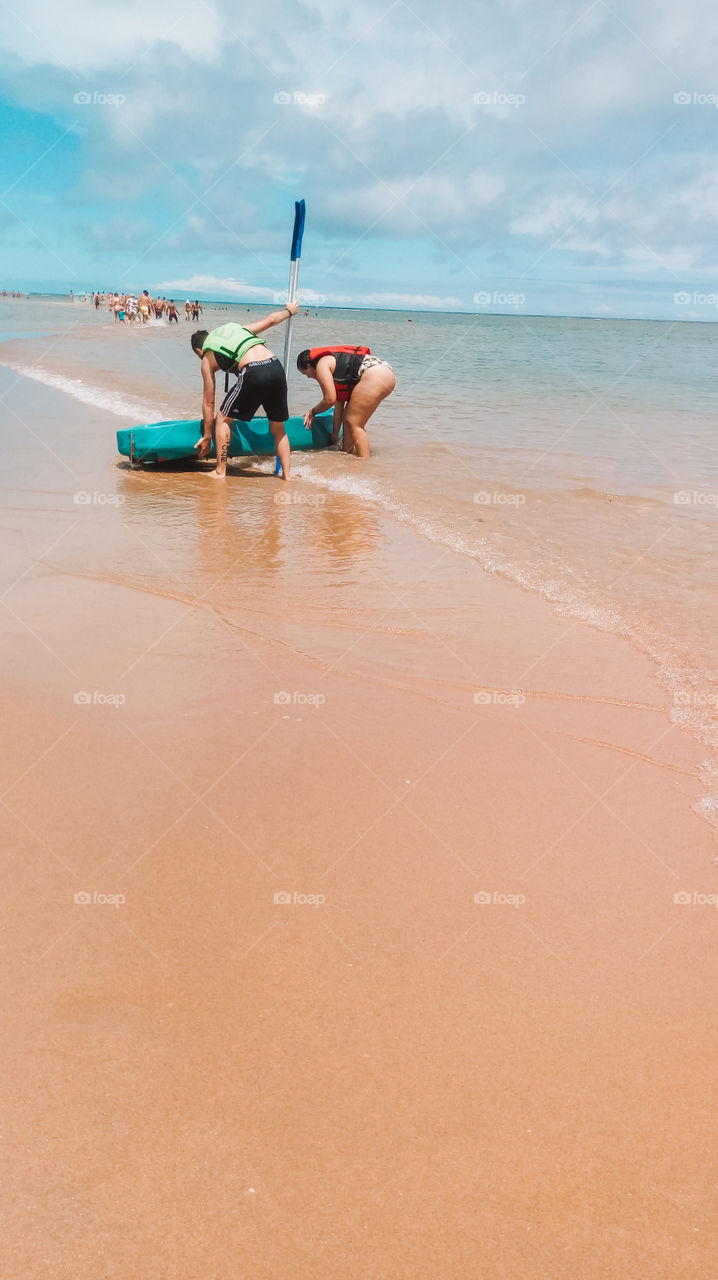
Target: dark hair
[
  {"x": 304, "y": 361},
  {"x": 197, "y": 339}
]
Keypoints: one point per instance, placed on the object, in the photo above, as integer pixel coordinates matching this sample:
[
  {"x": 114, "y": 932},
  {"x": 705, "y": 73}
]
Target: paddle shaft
[
  {"x": 291, "y": 295},
  {"x": 296, "y": 252}
]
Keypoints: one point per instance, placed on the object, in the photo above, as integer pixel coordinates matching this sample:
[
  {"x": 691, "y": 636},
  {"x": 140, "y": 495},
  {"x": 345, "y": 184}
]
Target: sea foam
[{"x": 124, "y": 406}]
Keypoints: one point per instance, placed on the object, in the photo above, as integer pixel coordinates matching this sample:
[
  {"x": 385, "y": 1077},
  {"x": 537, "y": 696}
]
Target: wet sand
[{"x": 396, "y": 1080}]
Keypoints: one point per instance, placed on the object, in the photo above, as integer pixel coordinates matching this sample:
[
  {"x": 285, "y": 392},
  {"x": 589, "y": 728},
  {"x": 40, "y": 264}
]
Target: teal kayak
[{"x": 172, "y": 441}]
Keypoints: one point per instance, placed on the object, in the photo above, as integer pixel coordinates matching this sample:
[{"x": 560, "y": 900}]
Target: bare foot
[{"x": 216, "y": 475}]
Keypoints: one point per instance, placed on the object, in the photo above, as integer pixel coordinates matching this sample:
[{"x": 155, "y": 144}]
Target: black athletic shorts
[{"x": 263, "y": 382}]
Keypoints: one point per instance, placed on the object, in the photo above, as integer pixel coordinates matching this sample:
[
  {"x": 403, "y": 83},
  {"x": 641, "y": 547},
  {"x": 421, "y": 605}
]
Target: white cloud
[
  {"x": 204, "y": 164},
  {"x": 218, "y": 287},
  {"x": 83, "y": 35}
]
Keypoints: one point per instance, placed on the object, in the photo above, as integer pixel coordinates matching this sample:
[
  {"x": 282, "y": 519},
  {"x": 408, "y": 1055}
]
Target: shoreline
[{"x": 224, "y": 303}]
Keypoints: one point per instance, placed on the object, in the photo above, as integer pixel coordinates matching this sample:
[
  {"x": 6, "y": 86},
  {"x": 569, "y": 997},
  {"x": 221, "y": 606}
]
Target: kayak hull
[{"x": 174, "y": 441}]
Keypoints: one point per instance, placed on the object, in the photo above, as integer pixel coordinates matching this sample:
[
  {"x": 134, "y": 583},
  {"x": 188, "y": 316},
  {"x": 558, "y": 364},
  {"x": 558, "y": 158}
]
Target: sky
[{"x": 479, "y": 157}]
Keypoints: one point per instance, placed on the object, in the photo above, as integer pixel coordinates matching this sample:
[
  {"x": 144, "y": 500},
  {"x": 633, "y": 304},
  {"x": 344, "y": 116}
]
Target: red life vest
[{"x": 346, "y": 372}]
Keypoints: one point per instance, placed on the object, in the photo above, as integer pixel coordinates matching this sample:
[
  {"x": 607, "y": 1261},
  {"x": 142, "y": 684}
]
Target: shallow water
[{"x": 575, "y": 457}]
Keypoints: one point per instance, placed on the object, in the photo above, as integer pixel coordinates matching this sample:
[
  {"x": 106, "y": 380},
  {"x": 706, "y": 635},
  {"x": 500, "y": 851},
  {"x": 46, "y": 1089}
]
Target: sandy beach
[{"x": 377, "y": 966}]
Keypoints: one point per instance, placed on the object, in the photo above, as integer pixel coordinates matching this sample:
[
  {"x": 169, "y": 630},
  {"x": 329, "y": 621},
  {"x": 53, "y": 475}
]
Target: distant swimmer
[
  {"x": 235, "y": 348},
  {"x": 145, "y": 302},
  {"x": 172, "y": 312},
  {"x": 353, "y": 383},
  {"x": 196, "y": 309},
  {"x": 188, "y": 310}
]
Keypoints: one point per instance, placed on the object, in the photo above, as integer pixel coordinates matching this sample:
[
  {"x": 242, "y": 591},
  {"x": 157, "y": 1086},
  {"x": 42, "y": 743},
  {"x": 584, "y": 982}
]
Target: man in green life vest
[{"x": 236, "y": 348}]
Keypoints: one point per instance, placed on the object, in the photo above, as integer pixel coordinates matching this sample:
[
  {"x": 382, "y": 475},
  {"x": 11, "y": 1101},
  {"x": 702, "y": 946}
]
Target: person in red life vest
[
  {"x": 353, "y": 383},
  {"x": 236, "y": 348}
]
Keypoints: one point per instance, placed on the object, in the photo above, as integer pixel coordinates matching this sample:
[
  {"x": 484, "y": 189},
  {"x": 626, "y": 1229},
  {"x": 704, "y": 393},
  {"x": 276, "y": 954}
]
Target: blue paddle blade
[
  {"x": 278, "y": 467},
  {"x": 300, "y": 211}
]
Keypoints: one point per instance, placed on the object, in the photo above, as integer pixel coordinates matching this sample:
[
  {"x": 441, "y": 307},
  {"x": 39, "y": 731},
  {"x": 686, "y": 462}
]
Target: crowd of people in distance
[
  {"x": 14, "y": 293},
  {"x": 129, "y": 309}
]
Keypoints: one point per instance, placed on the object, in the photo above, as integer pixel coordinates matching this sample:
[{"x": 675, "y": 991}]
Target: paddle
[{"x": 300, "y": 210}]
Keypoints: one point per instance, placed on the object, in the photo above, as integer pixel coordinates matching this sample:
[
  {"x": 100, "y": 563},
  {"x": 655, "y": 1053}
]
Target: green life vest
[{"x": 231, "y": 341}]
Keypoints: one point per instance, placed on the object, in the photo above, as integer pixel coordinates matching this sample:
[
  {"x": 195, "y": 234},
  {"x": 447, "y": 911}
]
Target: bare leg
[
  {"x": 347, "y": 432},
  {"x": 361, "y": 442},
  {"x": 373, "y": 387},
  {"x": 281, "y": 439},
  {"x": 337, "y": 421},
  {"x": 222, "y": 428}
]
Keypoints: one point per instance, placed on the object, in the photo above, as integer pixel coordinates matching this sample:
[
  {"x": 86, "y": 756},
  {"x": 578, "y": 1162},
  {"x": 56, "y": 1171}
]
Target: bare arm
[
  {"x": 207, "y": 398},
  {"x": 326, "y": 382},
  {"x": 204, "y": 444},
  {"x": 325, "y": 369},
  {"x": 276, "y": 317}
]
